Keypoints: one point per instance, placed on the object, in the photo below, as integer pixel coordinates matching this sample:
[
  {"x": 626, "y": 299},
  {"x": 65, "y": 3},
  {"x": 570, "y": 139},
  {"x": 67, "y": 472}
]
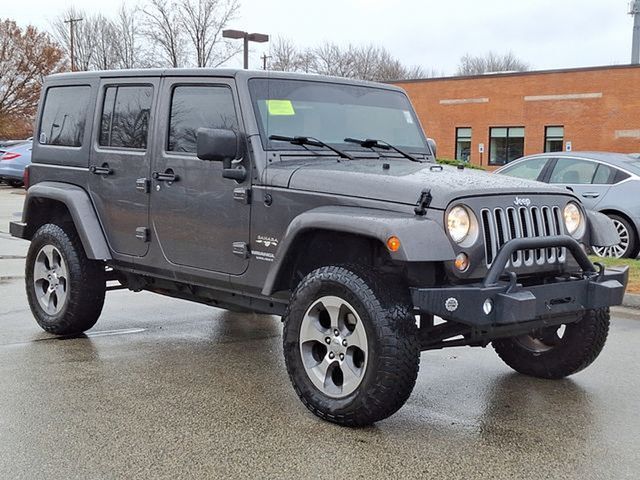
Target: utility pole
[
  {"x": 72, "y": 27},
  {"x": 265, "y": 57},
  {"x": 634, "y": 9}
]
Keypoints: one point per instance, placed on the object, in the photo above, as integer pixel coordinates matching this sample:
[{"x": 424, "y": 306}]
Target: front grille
[{"x": 503, "y": 224}]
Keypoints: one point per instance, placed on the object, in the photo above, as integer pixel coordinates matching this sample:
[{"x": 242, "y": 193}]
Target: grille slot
[{"x": 503, "y": 224}]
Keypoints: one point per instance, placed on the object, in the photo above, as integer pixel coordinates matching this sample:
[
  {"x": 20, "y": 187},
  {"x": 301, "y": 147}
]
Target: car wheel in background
[
  {"x": 15, "y": 183},
  {"x": 628, "y": 246}
]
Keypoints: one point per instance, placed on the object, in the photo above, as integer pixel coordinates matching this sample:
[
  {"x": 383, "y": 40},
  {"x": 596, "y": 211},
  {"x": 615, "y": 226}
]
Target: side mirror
[
  {"x": 217, "y": 145},
  {"x": 220, "y": 145},
  {"x": 432, "y": 146}
]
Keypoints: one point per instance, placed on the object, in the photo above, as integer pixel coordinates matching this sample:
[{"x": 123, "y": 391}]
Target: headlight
[
  {"x": 573, "y": 220},
  {"x": 458, "y": 223}
]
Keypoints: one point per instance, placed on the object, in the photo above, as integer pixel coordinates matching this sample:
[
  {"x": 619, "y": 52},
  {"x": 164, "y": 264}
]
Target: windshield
[{"x": 332, "y": 112}]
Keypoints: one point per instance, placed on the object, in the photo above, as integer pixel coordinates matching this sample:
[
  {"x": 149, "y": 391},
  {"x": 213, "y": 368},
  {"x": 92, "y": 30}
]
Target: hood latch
[{"x": 423, "y": 202}]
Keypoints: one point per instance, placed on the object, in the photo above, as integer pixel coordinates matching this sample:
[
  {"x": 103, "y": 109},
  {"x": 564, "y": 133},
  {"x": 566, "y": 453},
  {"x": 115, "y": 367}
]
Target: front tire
[
  {"x": 552, "y": 353},
  {"x": 65, "y": 289},
  {"x": 350, "y": 346}
]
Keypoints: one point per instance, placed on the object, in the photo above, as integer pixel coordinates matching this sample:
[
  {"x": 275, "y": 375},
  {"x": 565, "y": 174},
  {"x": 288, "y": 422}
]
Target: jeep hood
[{"x": 403, "y": 181}]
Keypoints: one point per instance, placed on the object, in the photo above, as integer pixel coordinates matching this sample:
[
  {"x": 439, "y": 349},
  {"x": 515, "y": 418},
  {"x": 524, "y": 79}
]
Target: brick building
[{"x": 495, "y": 118}]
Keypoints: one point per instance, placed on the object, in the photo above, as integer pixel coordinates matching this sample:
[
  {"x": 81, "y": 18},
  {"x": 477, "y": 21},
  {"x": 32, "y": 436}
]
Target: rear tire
[
  {"x": 65, "y": 289},
  {"x": 350, "y": 345},
  {"x": 544, "y": 354},
  {"x": 16, "y": 184}
]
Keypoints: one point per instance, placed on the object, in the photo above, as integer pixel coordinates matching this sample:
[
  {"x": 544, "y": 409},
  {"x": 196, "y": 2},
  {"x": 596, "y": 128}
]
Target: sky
[{"x": 433, "y": 34}]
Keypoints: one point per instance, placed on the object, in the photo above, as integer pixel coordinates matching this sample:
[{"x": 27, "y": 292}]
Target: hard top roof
[{"x": 213, "y": 72}]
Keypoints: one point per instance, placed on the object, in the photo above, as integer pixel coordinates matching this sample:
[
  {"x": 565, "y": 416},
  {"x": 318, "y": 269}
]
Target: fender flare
[
  {"x": 82, "y": 213},
  {"x": 421, "y": 238}
]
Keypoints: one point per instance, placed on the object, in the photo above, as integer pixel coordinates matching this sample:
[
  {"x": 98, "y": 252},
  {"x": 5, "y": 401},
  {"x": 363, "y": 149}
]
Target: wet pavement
[{"x": 163, "y": 388}]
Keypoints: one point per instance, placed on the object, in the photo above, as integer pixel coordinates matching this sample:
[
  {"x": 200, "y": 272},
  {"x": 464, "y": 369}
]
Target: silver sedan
[{"x": 606, "y": 182}]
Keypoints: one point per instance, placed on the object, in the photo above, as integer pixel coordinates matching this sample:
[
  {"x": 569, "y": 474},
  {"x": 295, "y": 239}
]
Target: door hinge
[
  {"x": 242, "y": 195},
  {"x": 241, "y": 249},
  {"x": 142, "y": 233},
  {"x": 143, "y": 185}
]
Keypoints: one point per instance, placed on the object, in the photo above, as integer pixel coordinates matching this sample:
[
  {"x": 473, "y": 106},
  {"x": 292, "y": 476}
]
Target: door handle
[
  {"x": 103, "y": 170},
  {"x": 168, "y": 176},
  {"x": 591, "y": 195}
]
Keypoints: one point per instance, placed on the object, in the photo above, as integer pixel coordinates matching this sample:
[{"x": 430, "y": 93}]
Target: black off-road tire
[
  {"x": 580, "y": 345},
  {"x": 86, "y": 282},
  {"x": 394, "y": 351},
  {"x": 16, "y": 184}
]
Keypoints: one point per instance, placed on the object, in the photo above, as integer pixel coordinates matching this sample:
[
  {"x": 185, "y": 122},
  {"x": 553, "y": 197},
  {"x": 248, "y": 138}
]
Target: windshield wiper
[
  {"x": 314, "y": 142},
  {"x": 371, "y": 143}
]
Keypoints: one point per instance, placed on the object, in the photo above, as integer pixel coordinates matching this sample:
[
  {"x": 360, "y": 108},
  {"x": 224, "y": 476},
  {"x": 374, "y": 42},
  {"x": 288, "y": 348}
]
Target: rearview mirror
[{"x": 217, "y": 145}]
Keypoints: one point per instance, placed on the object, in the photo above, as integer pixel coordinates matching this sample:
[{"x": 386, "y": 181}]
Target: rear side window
[
  {"x": 604, "y": 175},
  {"x": 573, "y": 171},
  {"x": 125, "y": 116},
  {"x": 194, "y": 107},
  {"x": 64, "y": 115}
]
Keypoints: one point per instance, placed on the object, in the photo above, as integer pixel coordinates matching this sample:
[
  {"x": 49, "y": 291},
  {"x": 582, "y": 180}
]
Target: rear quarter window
[{"x": 64, "y": 115}]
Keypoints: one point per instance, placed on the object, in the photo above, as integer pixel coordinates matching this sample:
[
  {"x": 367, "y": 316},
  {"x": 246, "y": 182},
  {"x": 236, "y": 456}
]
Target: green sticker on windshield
[{"x": 280, "y": 107}]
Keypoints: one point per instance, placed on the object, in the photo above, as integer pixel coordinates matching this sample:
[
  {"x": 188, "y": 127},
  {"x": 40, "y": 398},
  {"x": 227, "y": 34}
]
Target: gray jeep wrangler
[{"x": 317, "y": 199}]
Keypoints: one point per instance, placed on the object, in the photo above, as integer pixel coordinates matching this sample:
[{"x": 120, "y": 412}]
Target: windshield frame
[{"x": 275, "y": 145}]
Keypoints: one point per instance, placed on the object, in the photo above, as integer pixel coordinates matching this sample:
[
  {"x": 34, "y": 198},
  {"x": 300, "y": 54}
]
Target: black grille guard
[{"x": 495, "y": 302}]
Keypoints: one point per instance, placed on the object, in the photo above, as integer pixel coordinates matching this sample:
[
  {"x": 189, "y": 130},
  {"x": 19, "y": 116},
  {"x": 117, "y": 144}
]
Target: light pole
[{"x": 247, "y": 37}]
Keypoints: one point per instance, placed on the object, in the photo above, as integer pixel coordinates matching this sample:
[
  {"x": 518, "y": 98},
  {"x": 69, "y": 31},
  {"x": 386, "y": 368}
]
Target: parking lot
[{"x": 164, "y": 388}]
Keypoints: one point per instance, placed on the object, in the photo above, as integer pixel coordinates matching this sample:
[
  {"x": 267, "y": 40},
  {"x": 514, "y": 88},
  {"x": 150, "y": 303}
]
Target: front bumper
[{"x": 511, "y": 303}]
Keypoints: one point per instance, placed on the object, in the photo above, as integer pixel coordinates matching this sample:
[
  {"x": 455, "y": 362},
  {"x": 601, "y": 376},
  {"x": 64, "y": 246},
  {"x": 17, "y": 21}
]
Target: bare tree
[
  {"x": 491, "y": 62},
  {"x": 161, "y": 25},
  {"x": 105, "y": 43},
  {"x": 331, "y": 59},
  {"x": 285, "y": 57},
  {"x": 204, "y": 20},
  {"x": 26, "y": 57},
  {"x": 366, "y": 62},
  {"x": 84, "y": 37},
  {"x": 127, "y": 45}
]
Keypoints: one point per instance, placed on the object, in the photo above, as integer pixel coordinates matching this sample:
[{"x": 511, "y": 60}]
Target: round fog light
[
  {"x": 487, "y": 306},
  {"x": 462, "y": 262}
]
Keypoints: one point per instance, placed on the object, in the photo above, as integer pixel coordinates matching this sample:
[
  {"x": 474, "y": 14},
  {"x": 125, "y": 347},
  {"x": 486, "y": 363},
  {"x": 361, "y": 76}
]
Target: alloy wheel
[
  {"x": 334, "y": 347},
  {"x": 619, "y": 250},
  {"x": 50, "y": 279},
  {"x": 543, "y": 340}
]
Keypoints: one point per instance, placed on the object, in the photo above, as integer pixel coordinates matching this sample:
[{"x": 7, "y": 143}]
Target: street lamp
[{"x": 247, "y": 37}]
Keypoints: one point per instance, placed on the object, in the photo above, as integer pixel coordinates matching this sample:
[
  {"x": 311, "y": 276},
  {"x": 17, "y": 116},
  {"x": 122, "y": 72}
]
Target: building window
[
  {"x": 506, "y": 144},
  {"x": 553, "y": 139},
  {"x": 463, "y": 144}
]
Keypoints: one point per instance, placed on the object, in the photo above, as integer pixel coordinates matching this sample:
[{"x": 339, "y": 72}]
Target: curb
[{"x": 631, "y": 300}]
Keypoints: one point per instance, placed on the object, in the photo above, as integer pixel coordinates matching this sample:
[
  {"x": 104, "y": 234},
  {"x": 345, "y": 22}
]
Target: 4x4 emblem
[{"x": 522, "y": 202}]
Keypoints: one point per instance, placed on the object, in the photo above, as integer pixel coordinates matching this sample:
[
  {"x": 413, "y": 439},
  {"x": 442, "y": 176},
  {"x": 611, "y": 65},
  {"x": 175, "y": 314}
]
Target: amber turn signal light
[
  {"x": 461, "y": 262},
  {"x": 393, "y": 244}
]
